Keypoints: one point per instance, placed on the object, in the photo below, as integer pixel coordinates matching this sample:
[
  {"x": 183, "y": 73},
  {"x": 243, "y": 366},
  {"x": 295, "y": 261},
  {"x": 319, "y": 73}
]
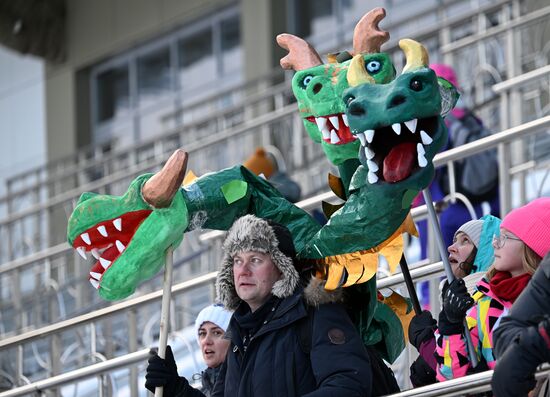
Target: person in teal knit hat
[{"x": 470, "y": 256}]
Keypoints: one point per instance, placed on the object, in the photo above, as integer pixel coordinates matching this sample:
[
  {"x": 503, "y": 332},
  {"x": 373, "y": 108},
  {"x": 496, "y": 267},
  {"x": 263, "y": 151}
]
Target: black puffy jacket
[{"x": 276, "y": 364}]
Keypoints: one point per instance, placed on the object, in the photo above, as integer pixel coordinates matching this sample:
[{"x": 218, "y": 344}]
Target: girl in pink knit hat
[{"x": 524, "y": 239}]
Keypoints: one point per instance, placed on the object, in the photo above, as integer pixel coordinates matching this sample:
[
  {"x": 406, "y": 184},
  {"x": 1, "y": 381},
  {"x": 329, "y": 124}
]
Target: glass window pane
[
  {"x": 113, "y": 93},
  {"x": 153, "y": 71},
  {"x": 231, "y": 45},
  {"x": 196, "y": 60}
]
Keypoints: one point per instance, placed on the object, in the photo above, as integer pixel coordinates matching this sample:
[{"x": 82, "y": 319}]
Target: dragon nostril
[
  {"x": 317, "y": 87},
  {"x": 355, "y": 109},
  {"x": 396, "y": 101}
]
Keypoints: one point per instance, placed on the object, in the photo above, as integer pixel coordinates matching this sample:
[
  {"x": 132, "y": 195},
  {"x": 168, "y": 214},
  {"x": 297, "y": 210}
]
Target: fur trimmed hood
[{"x": 250, "y": 233}]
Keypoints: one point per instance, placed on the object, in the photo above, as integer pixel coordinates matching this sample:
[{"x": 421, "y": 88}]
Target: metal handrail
[
  {"x": 475, "y": 383},
  {"x": 79, "y": 374},
  {"x": 107, "y": 311},
  {"x": 521, "y": 79}
]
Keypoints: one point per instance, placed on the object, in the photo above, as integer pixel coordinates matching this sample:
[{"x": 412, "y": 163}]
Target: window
[
  {"x": 113, "y": 93},
  {"x": 133, "y": 93}
]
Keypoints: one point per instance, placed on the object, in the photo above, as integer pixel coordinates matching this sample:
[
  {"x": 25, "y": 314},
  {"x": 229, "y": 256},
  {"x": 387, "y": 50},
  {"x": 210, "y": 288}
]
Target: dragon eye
[
  {"x": 349, "y": 99},
  {"x": 307, "y": 80},
  {"x": 373, "y": 67},
  {"x": 416, "y": 85}
]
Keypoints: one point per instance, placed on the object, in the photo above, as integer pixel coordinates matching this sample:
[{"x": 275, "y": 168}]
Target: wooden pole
[{"x": 165, "y": 310}]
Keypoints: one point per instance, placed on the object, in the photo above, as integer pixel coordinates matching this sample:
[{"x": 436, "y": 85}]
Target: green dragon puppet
[{"x": 129, "y": 234}]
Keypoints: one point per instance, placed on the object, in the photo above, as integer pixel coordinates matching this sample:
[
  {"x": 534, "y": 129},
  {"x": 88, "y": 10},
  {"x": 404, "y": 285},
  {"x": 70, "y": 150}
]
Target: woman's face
[
  {"x": 459, "y": 252},
  {"x": 508, "y": 253},
  {"x": 213, "y": 344}
]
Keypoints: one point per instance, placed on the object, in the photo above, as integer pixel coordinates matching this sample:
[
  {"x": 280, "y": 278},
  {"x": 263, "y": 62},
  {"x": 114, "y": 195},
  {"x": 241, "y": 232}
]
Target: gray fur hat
[{"x": 250, "y": 233}]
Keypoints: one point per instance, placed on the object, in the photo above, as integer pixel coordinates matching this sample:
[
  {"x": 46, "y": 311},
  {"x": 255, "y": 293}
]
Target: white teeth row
[
  {"x": 322, "y": 125},
  {"x": 96, "y": 254},
  {"x": 117, "y": 223}
]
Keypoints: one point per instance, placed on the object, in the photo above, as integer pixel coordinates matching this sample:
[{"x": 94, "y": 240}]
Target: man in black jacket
[
  {"x": 522, "y": 341},
  {"x": 267, "y": 357}
]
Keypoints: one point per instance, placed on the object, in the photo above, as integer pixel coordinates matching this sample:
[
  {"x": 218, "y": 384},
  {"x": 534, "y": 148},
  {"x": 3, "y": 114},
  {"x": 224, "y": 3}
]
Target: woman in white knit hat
[{"x": 211, "y": 325}]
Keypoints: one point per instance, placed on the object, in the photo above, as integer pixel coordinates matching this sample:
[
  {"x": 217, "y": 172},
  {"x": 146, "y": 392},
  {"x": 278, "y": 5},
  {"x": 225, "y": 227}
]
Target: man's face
[
  {"x": 213, "y": 344},
  {"x": 254, "y": 274}
]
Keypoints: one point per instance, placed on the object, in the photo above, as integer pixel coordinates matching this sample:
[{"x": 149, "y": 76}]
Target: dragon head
[
  {"x": 318, "y": 87},
  {"x": 129, "y": 234},
  {"x": 399, "y": 124}
]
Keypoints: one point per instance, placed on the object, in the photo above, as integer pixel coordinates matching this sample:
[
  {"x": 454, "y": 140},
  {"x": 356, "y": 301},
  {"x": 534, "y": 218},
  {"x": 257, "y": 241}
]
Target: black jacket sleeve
[{"x": 339, "y": 360}]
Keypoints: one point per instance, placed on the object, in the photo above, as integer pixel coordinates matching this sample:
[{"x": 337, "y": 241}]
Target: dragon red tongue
[{"x": 399, "y": 162}]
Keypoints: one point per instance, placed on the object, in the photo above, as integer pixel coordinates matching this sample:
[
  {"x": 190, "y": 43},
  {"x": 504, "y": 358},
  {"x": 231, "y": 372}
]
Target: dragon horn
[
  {"x": 416, "y": 54},
  {"x": 357, "y": 74},
  {"x": 159, "y": 190},
  {"x": 301, "y": 55},
  {"x": 367, "y": 36}
]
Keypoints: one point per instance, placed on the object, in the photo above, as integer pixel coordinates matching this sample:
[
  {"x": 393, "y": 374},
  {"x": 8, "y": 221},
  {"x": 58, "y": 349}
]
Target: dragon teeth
[
  {"x": 369, "y": 134},
  {"x": 426, "y": 139},
  {"x": 105, "y": 263},
  {"x": 362, "y": 138},
  {"x": 334, "y": 137},
  {"x": 396, "y": 127},
  {"x": 81, "y": 251},
  {"x": 372, "y": 166},
  {"x": 422, "y": 162},
  {"x": 372, "y": 177},
  {"x": 117, "y": 223},
  {"x": 411, "y": 125},
  {"x": 345, "y": 119},
  {"x": 322, "y": 125},
  {"x": 102, "y": 231},
  {"x": 334, "y": 121},
  {"x": 369, "y": 154},
  {"x": 120, "y": 246},
  {"x": 86, "y": 238},
  {"x": 95, "y": 275},
  {"x": 95, "y": 253},
  {"x": 94, "y": 283},
  {"x": 321, "y": 122}
]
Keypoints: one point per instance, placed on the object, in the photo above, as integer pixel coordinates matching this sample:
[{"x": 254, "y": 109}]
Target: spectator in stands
[
  {"x": 522, "y": 340},
  {"x": 463, "y": 127},
  {"x": 523, "y": 240},
  {"x": 470, "y": 256},
  {"x": 266, "y": 164},
  {"x": 211, "y": 325},
  {"x": 271, "y": 353}
]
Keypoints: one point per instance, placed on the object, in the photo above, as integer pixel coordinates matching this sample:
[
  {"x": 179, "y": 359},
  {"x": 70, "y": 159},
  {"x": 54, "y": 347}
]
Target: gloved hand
[
  {"x": 456, "y": 301},
  {"x": 447, "y": 327},
  {"x": 164, "y": 373},
  {"x": 421, "y": 373},
  {"x": 421, "y": 328},
  {"x": 513, "y": 376}
]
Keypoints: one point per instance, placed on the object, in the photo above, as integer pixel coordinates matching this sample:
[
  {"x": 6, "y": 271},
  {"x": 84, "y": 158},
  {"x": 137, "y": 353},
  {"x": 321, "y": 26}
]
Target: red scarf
[{"x": 507, "y": 287}]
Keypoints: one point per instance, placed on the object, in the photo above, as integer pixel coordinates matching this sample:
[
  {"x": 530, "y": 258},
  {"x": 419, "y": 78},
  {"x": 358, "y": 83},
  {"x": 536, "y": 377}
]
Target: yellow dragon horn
[
  {"x": 357, "y": 74},
  {"x": 416, "y": 54}
]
